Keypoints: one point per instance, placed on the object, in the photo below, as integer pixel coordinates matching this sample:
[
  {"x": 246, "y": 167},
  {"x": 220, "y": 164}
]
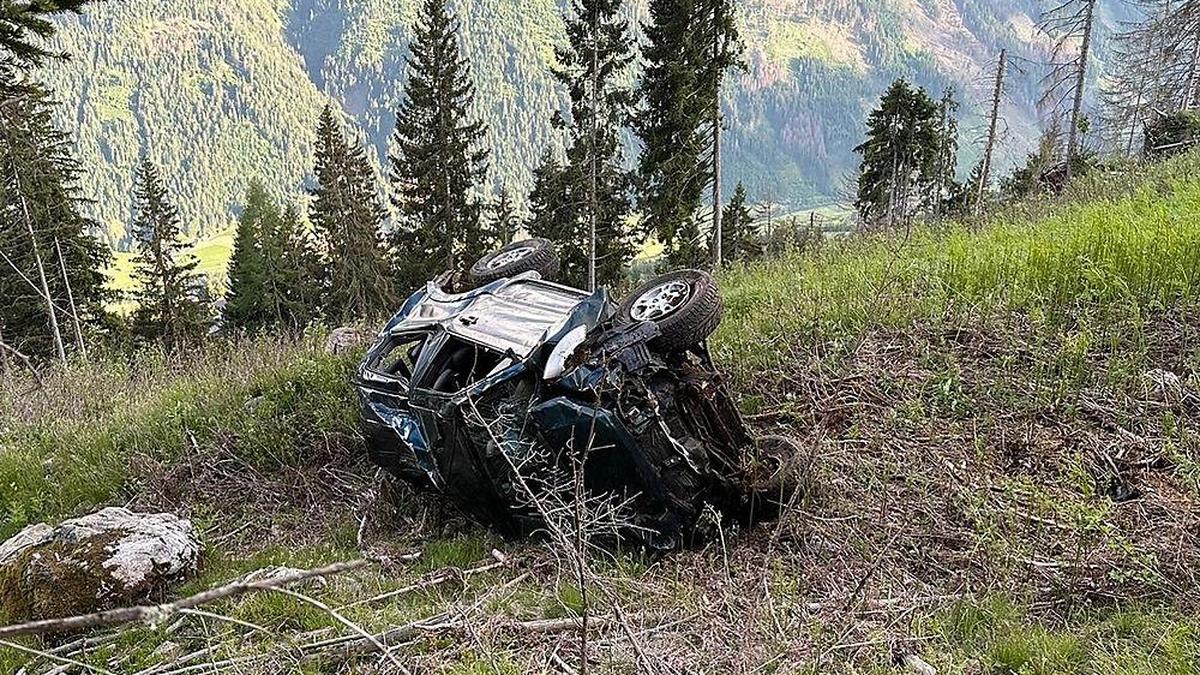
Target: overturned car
[{"x": 524, "y": 392}]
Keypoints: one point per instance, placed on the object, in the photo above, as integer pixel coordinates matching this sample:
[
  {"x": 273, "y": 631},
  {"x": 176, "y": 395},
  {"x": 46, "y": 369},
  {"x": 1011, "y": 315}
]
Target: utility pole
[
  {"x": 993, "y": 127},
  {"x": 1085, "y": 47}
]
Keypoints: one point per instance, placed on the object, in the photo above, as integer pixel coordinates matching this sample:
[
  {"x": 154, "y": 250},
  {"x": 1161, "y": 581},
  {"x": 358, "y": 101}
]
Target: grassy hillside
[
  {"x": 220, "y": 93},
  {"x": 999, "y": 479}
]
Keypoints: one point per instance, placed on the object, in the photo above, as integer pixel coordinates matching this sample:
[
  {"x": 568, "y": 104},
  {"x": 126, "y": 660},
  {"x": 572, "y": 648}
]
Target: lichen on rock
[{"x": 107, "y": 559}]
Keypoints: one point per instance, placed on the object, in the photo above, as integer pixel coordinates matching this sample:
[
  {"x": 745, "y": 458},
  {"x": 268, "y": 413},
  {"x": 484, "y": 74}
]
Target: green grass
[
  {"x": 998, "y": 636},
  {"x": 269, "y": 403},
  {"x": 1080, "y": 277},
  {"x": 1134, "y": 249}
]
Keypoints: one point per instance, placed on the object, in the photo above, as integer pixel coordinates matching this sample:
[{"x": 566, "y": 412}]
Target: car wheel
[
  {"x": 530, "y": 255},
  {"x": 686, "y": 306}
]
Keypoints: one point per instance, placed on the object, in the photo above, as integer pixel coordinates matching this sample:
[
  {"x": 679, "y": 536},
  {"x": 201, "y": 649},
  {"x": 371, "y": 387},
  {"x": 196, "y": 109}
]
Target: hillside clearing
[{"x": 1004, "y": 446}]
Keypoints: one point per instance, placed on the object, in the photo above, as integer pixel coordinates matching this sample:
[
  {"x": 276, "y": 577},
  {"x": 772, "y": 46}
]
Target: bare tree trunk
[
  {"x": 1089, "y": 22},
  {"x": 592, "y": 130},
  {"x": 55, "y": 333},
  {"x": 62, "y": 264},
  {"x": 993, "y": 128},
  {"x": 1193, "y": 80},
  {"x": 718, "y": 244}
]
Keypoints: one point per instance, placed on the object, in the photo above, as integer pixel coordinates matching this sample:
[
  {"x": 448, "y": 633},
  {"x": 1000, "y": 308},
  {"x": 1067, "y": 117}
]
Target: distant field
[{"x": 214, "y": 251}]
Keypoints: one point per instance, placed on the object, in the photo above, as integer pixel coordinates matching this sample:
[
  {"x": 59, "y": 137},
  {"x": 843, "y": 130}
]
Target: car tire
[
  {"x": 531, "y": 255},
  {"x": 686, "y": 306}
]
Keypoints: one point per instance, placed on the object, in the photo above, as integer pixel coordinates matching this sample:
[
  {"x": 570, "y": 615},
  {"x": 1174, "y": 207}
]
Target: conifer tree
[
  {"x": 1071, "y": 24},
  {"x": 591, "y": 66},
  {"x": 945, "y": 168},
  {"x": 555, "y": 216},
  {"x": 51, "y": 275},
  {"x": 440, "y": 160},
  {"x": 25, "y": 27},
  {"x": 172, "y": 307},
  {"x": 737, "y": 228},
  {"x": 502, "y": 220},
  {"x": 251, "y": 303},
  {"x": 689, "y": 44},
  {"x": 348, "y": 216},
  {"x": 899, "y": 157}
]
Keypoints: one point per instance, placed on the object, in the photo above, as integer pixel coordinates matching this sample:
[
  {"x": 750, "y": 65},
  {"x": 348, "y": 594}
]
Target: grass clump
[
  {"x": 269, "y": 403},
  {"x": 1117, "y": 256}
]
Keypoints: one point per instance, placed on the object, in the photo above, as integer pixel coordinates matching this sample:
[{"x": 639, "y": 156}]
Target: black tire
[
  {"x": 541, "y": 258},
  {"x": 687, "y": 325}
]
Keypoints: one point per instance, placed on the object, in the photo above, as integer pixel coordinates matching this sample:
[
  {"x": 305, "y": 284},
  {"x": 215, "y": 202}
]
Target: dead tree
[
  {"x": 989, "y": 147},
  {"x": 1069, "y": 23}
]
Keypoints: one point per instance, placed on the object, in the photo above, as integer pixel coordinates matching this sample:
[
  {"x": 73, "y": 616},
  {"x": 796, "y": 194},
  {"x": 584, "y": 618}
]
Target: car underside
[{"x": 523, "y": 397}]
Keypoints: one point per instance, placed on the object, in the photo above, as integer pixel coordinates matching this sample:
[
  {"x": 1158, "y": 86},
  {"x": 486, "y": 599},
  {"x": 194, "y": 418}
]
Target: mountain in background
[{"x": 218, "y": 92}]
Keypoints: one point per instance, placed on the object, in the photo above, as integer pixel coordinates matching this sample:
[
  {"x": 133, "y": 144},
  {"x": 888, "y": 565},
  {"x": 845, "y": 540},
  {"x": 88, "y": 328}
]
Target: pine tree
[
  {"x": 171, "y": 296},
  {"x": 591, "y": 66},
  {"x": 737, "y": 228},
  {"x": 51, "y": 275},
  {"x": 945, "y": 182},
  {"x": 439, "y": 159},
  {"x": 251, "y": 303},
  {"x": 26, "y": 26},
  {"x": 674, "y": 167},
  {"x": 502, "y": 219},
  {"x": 899, "y": 157},
  {"x": 348, "y": 216},
  {"x": 555, "y": 216}
]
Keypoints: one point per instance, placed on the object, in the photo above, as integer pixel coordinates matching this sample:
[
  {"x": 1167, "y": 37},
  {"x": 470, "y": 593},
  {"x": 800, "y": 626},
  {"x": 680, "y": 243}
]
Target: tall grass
[
  {"x": 70, "y": 447},
  {"x": 1133, "y": 247}
]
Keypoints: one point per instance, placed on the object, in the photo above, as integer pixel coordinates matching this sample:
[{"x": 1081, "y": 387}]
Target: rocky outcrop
[{"x": 107, "y": 559}]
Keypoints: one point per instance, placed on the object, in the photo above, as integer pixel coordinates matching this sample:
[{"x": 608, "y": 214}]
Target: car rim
[
  {"x": 506, "y": 258},
  {"x": 661, "y": 301}
]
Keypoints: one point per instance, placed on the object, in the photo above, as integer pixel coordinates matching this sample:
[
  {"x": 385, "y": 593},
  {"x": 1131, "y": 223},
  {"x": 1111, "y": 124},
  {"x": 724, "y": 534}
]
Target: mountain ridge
[{"x": 218, "y": 93}]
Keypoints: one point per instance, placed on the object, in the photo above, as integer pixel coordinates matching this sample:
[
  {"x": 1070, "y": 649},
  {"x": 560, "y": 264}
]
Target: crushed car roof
[{"x": 512, "y": 314}]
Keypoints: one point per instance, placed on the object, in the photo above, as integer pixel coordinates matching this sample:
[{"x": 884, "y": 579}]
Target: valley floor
[{"x": 1001, "y": 427}]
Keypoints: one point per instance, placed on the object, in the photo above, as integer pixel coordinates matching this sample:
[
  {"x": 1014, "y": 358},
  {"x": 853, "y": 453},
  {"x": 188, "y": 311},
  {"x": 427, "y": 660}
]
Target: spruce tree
[
  {"x": 591, "y": 66},
  {"x": 689, "y": 43},
  {"x": 737, "y": 228},
  {"x": 439, "y": 161},
  {"x": 348, "y": 216},
  {"x": 502, "y": 221},
  {"x": 555, "y": 216},
  {"x": 171, "y": 296},
  {"x": 899, "y": 157},
  {"x": 51, "y": 280},
  {"x": 250, "y": 304},
  {"x": 26, "y": 26}
]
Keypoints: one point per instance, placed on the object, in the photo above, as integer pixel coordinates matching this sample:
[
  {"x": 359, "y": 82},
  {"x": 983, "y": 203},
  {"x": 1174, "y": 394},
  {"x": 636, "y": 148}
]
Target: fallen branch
[{"x": 156, "y": 613}]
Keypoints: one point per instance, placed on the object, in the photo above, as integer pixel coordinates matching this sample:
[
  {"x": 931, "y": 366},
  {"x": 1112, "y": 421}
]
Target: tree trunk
[
  {"x": 55, "y": 333},
  {"x": 993, "y": 127},
  {"x": 1089, "y": 21},
  {"x": 595, "y": 96},
  {"x": 1193, "y": 80},
  {"x": 718, "y": 244},
  {"x": 62, "y": 263}
]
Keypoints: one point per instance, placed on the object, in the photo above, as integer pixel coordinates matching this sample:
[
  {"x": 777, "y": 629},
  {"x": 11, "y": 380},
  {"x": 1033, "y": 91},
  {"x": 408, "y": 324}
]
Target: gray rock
[
  {"x": 107, "y": 559},
  {"x": 344, "y": 339}
]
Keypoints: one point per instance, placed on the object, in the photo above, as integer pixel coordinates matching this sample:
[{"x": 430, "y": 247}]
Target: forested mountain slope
[{"x": 218, "y": 92}]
